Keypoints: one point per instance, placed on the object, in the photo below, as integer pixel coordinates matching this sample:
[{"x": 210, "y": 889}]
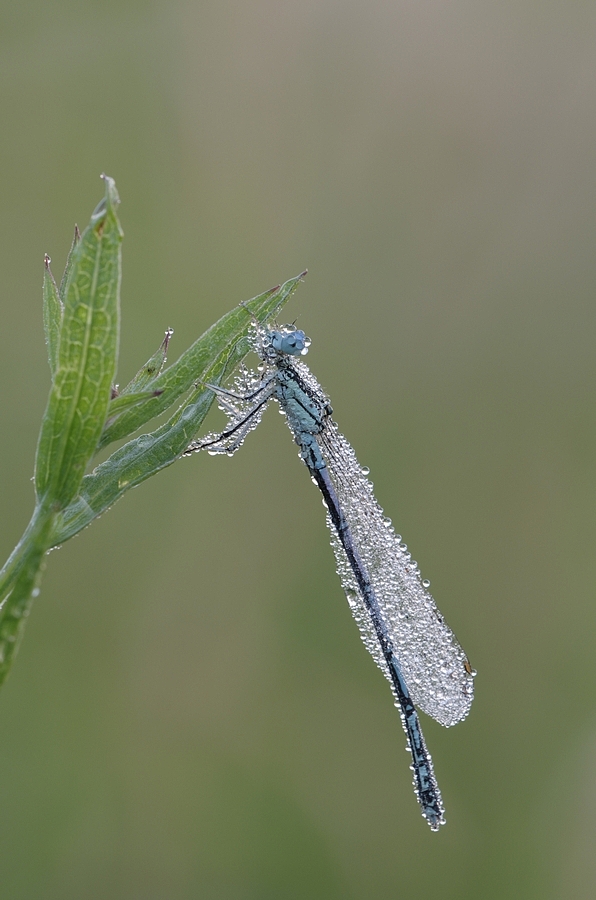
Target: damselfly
[{"x": 398, "y": 619}]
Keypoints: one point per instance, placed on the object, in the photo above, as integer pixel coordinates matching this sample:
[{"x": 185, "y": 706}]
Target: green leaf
[
  {"x": 79, "y": 398},
  {"x": 68, "y": 267},
  {"x": 125, "y": 401},
  {"x": 132, "y": 464},
  {"x": 151, "y": 369},
  {"x": 53, "y": 310},
  {"x": 219, "y": 350},
  {"x": 194, "y": 363}
]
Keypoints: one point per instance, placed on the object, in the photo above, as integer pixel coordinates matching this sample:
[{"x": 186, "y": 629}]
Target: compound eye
[{"x": 296, "y": 343}]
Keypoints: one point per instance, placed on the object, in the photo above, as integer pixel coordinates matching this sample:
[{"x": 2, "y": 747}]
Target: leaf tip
[
  {"x": 47, "y": 270},
  {"x": 112, "y": 195},
  {"x": 107, "y": 204}
]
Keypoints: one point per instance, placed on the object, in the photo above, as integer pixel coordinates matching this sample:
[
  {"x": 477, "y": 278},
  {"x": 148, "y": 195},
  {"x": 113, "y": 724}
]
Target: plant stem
[{"x": 19, "y": 579}]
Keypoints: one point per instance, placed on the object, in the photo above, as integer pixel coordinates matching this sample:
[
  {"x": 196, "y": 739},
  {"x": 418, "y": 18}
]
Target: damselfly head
[{"x": 289, "y": 340}]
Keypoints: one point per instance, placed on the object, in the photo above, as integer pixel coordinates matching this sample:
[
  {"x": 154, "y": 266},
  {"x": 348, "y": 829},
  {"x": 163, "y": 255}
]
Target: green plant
[{"x": 84, "y": 412}]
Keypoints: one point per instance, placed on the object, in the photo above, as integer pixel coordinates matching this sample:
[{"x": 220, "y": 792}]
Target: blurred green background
[{"x": 192, "y": 713}]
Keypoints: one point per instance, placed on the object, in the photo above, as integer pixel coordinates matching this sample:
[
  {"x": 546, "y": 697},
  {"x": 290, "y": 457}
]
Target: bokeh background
[{"x": 192, "y": 713}]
